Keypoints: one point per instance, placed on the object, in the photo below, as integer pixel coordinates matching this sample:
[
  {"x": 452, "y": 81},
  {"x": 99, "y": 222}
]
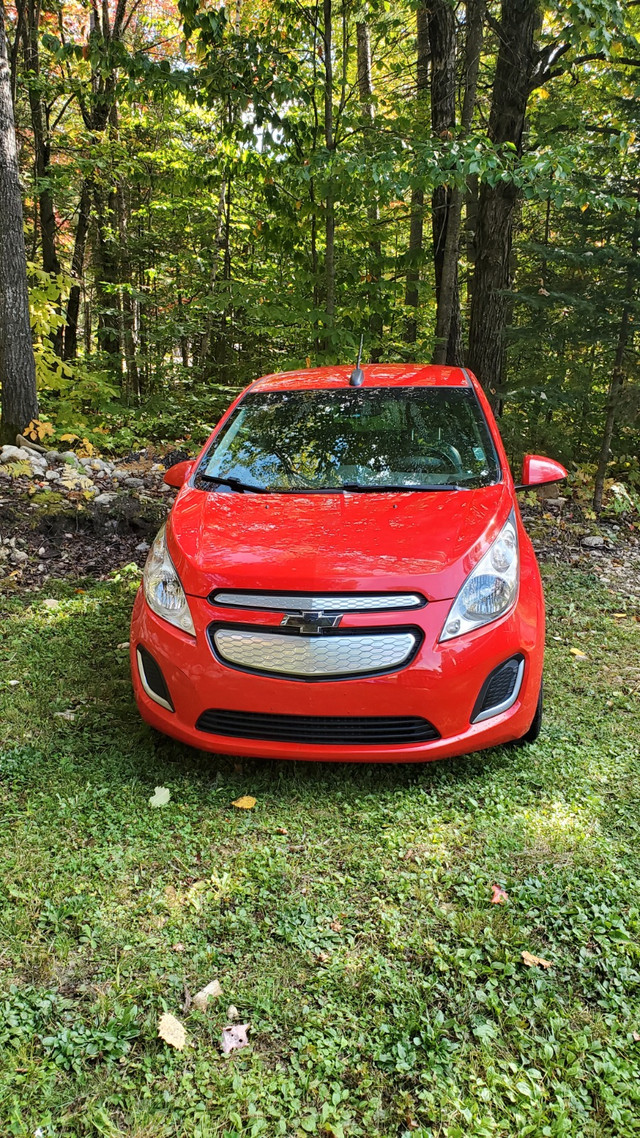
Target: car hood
[{"x": 333, "y": 542}]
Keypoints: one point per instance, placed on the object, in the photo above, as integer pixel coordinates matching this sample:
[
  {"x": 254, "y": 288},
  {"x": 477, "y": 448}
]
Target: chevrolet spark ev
[{"x": 344, "y": 576}]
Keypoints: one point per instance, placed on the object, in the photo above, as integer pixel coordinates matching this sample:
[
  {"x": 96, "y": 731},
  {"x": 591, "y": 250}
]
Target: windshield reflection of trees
[{"x": 324, "y": 438}]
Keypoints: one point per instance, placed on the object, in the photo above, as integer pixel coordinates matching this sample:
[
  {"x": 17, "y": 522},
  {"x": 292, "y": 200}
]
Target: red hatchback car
[{"x": 345, "y": 576}]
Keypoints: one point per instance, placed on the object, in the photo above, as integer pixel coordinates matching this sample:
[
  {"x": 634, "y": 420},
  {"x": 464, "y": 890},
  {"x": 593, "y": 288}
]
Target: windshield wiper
[
  {"x": 234, "y": 483},
  {"x": 358, "y": 488}
]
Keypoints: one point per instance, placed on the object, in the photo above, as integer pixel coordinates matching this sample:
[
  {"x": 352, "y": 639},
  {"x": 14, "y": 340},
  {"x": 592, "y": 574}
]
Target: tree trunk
[
  {"x": 77, "y": 270},
  {"x": 492, "y": 277},
  {"x": 619, "y": 368},
  {"x": 474, "y": 14},
  {"x": 445, "y": 220},
  {"x": 17, "y": 364},
  {"x": 107, "y": 277},
  {"x": 41, "y": 143},
  {"x": 365, "y": 90},
  {"x": 416, "y": 223},
  {"x": 330, "y": 220}
]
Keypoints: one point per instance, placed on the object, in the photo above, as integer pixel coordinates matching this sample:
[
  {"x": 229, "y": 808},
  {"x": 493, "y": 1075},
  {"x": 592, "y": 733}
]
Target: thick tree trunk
[
  {"x": 416, "y": 223},
  {"x": 496, "y": 205},
  {"x": 41, "y": 143},
  {"x": 445, "y": 212},
  {"x": 70, "y": 348},
  {"x": 619, "y": 369},
  {"x": 330, "y": 220},
  {"x": 365, "y": 90},
  {"x": 17, "y": 364},
  {"x": 474, "y": 13},
  {"x": 107, "y": 278}
]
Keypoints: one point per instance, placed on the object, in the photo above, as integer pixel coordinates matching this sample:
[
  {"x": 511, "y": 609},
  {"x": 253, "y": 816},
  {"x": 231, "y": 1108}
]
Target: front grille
[
  {"x": 500, "y": 689},
  {"x": 338, "y": 654},
  {"x": 334, "y": 730},
  {"x": 316, "y": 602}
]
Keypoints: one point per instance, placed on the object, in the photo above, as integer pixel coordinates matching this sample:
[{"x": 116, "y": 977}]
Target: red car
[{"x": 345, "y": 576}]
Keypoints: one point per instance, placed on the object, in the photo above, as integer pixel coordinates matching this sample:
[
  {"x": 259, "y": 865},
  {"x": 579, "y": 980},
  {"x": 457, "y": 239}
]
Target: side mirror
[
  {"x": 539, "y": 471},
  {"x": 177, "y": 475}
]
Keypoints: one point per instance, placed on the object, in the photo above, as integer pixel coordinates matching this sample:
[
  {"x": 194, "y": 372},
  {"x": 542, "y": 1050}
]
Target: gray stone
[
  {"x": 595, "y": 542},
  {"x": 134, "y": 483},
  {"x": 142, "y": 547},
  {"x": 15, "y": 454},
  {"x": 52, "y": 475},
  {"x": 18, "y": 556},
  {"x": 105, "y": 499}
]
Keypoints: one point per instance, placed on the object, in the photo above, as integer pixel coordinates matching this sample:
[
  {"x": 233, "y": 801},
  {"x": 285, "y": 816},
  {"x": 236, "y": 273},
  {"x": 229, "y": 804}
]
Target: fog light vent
[
  {"x": 500, "y": 689},
  {"x": 152, "y": 679}
]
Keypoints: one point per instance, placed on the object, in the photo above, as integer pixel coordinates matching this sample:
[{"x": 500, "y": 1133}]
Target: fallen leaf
[
  {"x": 170, "y": 896},
  {"x": 244, "y": 803},
  {"x": 69, "y": 715},
  {"x": 636, "y": 1037},
  {"x": 499, "y": 895},
  {"x": 281, "y": 830},
  {"x": 322, "y": 957},
  {"x": 234, "y": 1037},
  {"x": 13, "y": 683},
  {"x": 201, "y": 998},
  {"x": 179, "y": 947},
  {"x": 161, "y": 796},
  {"x": 619, "y": 615},
  {"x": 578, "y": 653},
  {"x": 336, "y": 926},
  {"x": 232, "y": 1013},
  {"x": 171, "y": 1030},
  {"x": 121, "y": 647},
  {"x": 530, "y": 960}
]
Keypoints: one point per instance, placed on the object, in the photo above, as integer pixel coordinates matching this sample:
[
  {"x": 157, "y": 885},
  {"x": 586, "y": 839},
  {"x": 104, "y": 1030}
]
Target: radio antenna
[{"x": 356, "y": 379}]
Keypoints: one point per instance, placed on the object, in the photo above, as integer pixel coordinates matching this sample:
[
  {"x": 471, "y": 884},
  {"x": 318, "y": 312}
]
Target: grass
[{"x": 347, "y": 916}]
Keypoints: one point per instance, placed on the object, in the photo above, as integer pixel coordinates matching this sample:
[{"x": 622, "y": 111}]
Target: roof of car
[{"x": 375, "y": 375}]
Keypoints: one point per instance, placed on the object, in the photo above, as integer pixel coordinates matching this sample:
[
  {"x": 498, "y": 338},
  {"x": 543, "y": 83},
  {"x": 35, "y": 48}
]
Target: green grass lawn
[{"x": 348, "y": 916}]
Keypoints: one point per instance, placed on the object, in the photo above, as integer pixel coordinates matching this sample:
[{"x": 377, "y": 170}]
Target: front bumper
[{"x": 441, "y": 684}]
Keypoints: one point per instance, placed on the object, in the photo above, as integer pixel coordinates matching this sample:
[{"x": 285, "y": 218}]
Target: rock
[
  {"x": 595, "y": 542},
  {"x": 142, "y": 547},
  {"x": 157, "y": 468},
  {"x": 28, "y": 445},
  {"x": 18, "y": 556},
  {"x": 54, "y": 456},
  {"x": 105, "y": 499},
  {"x": 69, "y": 456},
  {"x": 15, "y": 454},
  {"x": 133, "y": 483},
  {"x": 559, "y": 502},
  {"x": 52, "y": 475}
]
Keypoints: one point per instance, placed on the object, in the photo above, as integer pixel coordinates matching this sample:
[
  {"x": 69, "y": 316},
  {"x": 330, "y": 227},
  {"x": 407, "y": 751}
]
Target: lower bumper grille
[
  {"x": 334, "y": 730},
  {"x": 500, "y": 689}
]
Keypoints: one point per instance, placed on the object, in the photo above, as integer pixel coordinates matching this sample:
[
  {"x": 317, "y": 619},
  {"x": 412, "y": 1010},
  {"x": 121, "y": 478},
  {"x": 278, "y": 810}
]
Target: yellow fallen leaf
[
  {"x": 244, "y": 803},
  {"x": 619, "y": 615},
  {"x": 530, "y": 960},
  {"x": 171, "y": 1030},
  {"x": 578, "y": 653}
]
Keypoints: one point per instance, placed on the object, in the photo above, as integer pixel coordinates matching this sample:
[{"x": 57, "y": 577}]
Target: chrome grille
[
  {"x": 313, "y": 657},
  {"x": 318, "y": 602}
]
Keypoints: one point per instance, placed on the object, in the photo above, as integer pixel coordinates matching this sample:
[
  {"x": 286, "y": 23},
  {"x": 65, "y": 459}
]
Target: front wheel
[{"x": 536, "y": 725}]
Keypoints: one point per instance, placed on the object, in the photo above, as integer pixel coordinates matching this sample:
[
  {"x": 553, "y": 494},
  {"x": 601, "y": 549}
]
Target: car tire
[{"x": 536, "y": 726}]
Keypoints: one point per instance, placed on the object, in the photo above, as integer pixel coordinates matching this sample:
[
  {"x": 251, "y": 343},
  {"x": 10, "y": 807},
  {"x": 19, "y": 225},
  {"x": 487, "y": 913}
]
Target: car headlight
[
  {"x": 490, "y": 589},
  {"x": 162, "y": 589}
]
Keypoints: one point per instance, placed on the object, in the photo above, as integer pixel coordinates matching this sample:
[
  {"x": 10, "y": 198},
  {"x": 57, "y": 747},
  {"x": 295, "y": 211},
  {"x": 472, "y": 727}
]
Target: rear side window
[{"x": 324, "y": 439}]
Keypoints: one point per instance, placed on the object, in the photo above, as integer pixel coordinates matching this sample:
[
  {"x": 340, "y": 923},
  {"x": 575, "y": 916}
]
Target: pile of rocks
[{"x": 96, "y": 479}]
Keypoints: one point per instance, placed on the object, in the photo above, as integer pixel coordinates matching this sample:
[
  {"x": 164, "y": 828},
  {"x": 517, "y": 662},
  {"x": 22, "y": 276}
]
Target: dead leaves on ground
[
  {"x": 161, "y": 796},
  {"x": 211, "y": 991},
  {"x": 498, "y": 895},
  {"x": 531, "y": 961},
  {"x": 234, "y": 1037},
  {"x": 246, "y": 802},
  {"x": 172, "y": 1031}
]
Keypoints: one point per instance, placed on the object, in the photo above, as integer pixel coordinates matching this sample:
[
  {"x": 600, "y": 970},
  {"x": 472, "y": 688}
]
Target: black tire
[{"x": 536, "y": 725}]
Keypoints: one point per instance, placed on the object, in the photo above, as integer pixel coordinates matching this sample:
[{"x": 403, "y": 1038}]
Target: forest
[{"x": 212, "y": 192}]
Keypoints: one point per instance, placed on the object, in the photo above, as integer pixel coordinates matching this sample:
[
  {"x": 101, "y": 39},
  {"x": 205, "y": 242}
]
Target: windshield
[{"x": 372, "y": 438}]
